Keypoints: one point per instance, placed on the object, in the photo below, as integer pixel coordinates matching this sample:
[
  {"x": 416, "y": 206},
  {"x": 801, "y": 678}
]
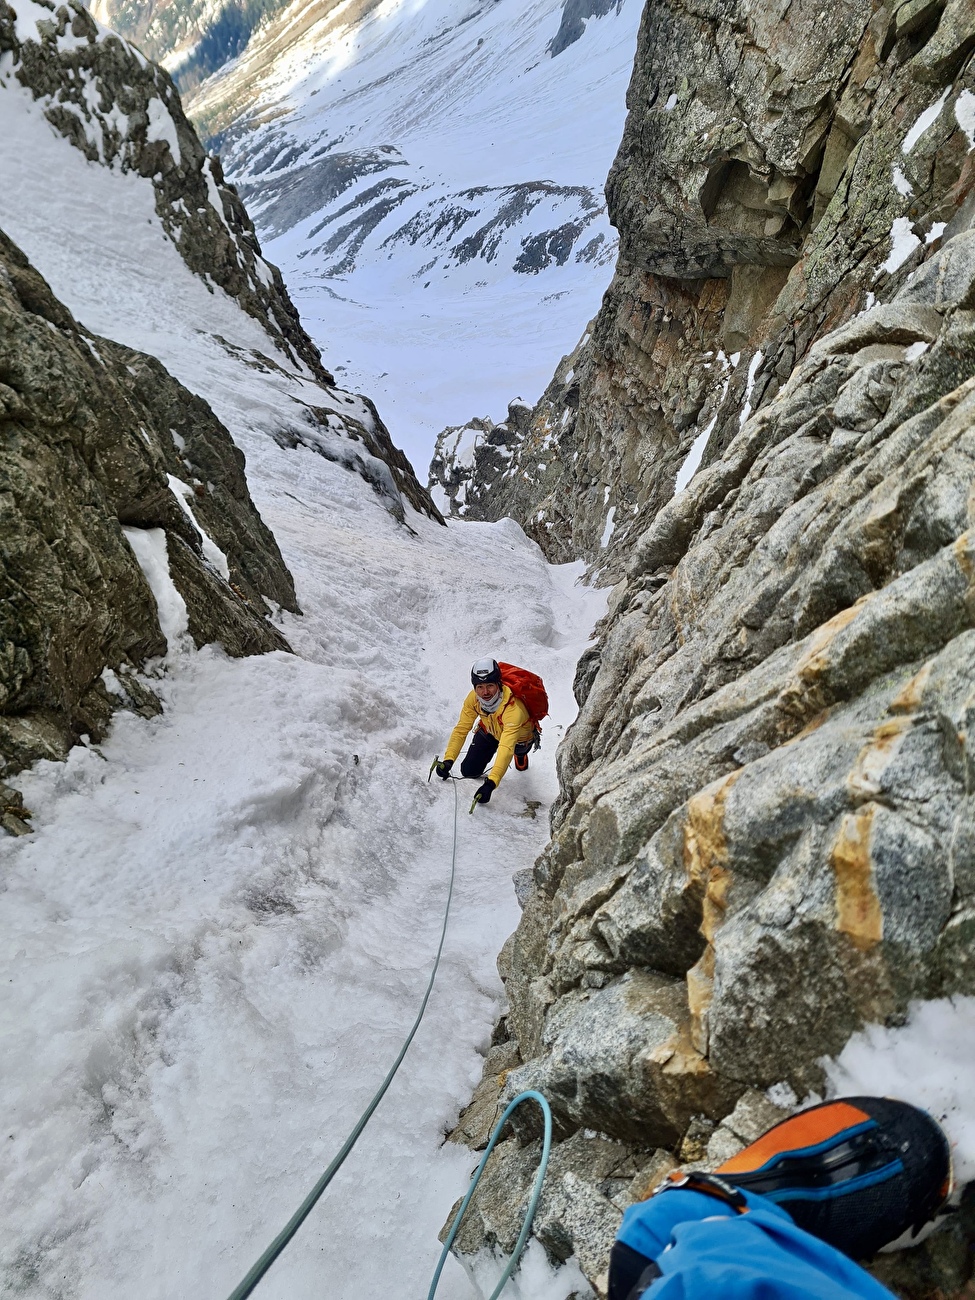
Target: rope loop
[{"x": 530, "y": 1095}]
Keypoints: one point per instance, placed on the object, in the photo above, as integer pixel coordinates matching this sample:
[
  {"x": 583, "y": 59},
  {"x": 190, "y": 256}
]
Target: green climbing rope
[
  {"x": 246, "y": 1287},
  {"x": 512, "y": 1264}
]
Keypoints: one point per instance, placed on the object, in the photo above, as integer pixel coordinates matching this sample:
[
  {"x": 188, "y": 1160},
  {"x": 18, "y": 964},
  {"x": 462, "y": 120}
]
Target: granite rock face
[
  {"x": 96, "y": 439},
  {"x": 772, "y": 181},
  {"x": 764, "y": 838}
]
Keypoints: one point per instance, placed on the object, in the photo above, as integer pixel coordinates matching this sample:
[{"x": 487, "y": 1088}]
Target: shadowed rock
[{"x": 90, "y": 432}]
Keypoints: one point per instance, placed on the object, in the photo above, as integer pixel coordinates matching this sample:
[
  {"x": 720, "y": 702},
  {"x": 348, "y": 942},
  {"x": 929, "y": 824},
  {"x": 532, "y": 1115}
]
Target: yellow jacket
[{"x": 509, "y": 724}]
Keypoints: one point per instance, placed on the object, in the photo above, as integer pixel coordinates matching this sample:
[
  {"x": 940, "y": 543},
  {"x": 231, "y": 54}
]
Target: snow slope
[
  {"x": 429, "y": 177},
  {"x": 219, "y": 933}
]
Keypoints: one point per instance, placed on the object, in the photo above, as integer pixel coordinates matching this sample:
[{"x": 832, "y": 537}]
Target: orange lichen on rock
[
  {"x": 858, "y": 911},
  {"x": 908, "y": 699},
  {"x": 802, "y": 696},
  {"x": 815, "y": 660},
  {"x": 705, "y": 861},
  {"x": 964, "y": 551},
  {"x": 864, "y": 781},
  {"x": 679, "y": 1055}
]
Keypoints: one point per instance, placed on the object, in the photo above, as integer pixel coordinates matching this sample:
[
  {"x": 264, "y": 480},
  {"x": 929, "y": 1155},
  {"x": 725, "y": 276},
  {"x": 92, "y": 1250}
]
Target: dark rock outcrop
[
  {"x": 575, "y": 15},
  {"x": 96, "y": 439},
  {"x": 764, "y": 835}
]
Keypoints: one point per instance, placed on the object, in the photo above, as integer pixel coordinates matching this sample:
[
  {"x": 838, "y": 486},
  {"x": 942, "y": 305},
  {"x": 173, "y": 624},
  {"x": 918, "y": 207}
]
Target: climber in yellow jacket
[{"x": 503, "y": 731}]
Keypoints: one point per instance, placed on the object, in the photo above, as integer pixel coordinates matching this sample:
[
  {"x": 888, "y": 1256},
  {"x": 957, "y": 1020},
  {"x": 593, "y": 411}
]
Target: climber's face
[{"x": 487, "y": 692}]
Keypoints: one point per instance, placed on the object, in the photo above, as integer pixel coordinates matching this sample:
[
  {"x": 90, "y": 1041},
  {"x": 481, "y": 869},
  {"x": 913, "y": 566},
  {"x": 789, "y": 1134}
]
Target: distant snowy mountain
[
  {"x": 96, "y": 153},
  {"x": 428, "y": 174}
]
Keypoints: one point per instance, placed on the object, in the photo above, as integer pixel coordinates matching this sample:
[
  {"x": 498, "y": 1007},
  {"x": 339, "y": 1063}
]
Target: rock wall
[
  {"x": 94, "y": 439},
  {"x": 764, "y": 838},
  {"x": 763, "y": 194}
]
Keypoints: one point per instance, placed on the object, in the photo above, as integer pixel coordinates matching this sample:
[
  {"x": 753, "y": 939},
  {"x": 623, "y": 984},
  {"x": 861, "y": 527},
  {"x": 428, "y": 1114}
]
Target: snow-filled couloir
[{"x": 219, "y": 931}]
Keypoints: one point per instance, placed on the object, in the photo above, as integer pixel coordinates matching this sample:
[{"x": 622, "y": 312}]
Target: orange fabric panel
[{"x": 806, "y": 1129}]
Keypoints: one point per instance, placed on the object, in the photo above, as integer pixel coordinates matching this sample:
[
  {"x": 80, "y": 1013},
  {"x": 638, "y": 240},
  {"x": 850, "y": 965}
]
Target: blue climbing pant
[{"x": 704, "y": 1249}]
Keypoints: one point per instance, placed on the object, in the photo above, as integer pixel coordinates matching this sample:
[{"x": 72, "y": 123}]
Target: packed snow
[
  {"x": 218, "y": 935},
  {"x": 930, "y": 1061},
  {"x": 460, "y": 140},
  {"x": 965, "y": 115},
  {"x": 150, "y": 549},
  {"x": 746, "y": 408},
  {"x": 901, "y": 184},
  {"x": 903, "y": 242},
  {"x": 692, "y": 460},
  {"x": 925, "y": 120},
  {"x": 220, "y": 931}
]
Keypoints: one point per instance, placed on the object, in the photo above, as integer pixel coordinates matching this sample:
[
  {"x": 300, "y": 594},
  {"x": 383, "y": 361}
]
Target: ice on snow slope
[
  {"x": 429, "y": 174},
  {"x": 219, "y": 933}
]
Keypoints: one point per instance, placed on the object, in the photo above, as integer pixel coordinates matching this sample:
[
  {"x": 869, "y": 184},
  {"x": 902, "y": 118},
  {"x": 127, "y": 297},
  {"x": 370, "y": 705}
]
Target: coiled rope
[{"x": 277, "y": 1246}]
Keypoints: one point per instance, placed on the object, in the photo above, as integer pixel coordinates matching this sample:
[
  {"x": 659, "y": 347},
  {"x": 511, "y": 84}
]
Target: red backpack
[{"x": 529, "y": 688}]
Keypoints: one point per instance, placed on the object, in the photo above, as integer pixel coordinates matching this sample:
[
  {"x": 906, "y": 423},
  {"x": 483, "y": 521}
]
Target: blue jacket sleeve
[{"x": 705, "y": 1249}]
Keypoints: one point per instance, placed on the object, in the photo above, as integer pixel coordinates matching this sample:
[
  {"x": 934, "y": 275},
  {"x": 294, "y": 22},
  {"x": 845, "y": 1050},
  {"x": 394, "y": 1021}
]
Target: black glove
[
  {"x": 443, "y": 768},
  {"x": 484, "y": 792}
]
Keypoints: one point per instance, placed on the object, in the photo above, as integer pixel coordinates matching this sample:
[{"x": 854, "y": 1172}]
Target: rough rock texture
[
  {"x": 764, "y": 838},
  {"x": 90, "y": 433}
]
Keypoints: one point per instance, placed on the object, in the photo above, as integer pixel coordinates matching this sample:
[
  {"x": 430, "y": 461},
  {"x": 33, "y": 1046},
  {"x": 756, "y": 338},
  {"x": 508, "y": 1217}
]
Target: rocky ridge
[
  {"x": 122, "y": 111},
  {"x": 764, "y": 834},
  {"x": 128, "y": 528}
]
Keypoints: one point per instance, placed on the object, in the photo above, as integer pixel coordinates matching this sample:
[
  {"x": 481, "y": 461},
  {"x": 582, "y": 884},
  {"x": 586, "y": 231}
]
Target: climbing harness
[{"x": 277, "y": 1246}]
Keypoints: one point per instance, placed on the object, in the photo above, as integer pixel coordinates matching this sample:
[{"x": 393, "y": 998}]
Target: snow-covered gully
[
  {"x": 221, "y": 930},
  {"x": 215, "y": 940}
]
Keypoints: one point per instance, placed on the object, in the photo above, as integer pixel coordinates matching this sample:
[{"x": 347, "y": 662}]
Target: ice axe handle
[{"x": 432, "y": 767}]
